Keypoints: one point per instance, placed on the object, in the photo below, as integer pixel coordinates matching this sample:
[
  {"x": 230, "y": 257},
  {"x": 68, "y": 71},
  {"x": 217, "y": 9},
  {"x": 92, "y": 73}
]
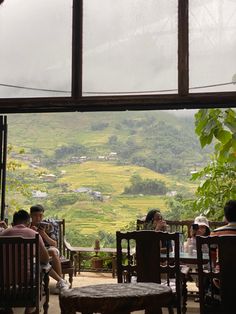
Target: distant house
[
  {"x": 75, "y": 159},
  {"x": 83, "y": 158},
  {"x": 112, "y": 156},
  {"x": 97, "y": 195},
  {"x": 49, "y": 177},
  {"x": 34, "y": 166},
  {"x": 83, "y": 190},
  {"x": 101, "y": 157},
  {"x": 171, "y": 193},
  {"x": 39, "y": 194}
]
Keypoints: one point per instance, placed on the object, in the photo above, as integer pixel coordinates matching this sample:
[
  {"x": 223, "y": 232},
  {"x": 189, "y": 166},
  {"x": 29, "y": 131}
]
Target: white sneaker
[{"x": 62, "y": 285}]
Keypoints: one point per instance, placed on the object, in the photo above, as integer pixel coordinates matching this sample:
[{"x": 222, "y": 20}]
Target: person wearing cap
[{"x": 200, "y": 227}]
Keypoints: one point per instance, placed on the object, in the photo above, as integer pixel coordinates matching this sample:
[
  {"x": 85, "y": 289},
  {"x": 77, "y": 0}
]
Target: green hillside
[{"x": 114, "y": 147}]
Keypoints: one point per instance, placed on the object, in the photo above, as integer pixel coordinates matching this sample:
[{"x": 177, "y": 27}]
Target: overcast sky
[{"x": 129, "y": 45}]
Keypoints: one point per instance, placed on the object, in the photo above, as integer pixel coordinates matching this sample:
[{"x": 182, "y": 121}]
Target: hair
[
  {"x": 21, "y": 216},
  {"x": 150, "y": 215},
  {"x": 207, "y": 232},
  {"x": 230, "y": 211},
  {"x": 37, "y": 208}
]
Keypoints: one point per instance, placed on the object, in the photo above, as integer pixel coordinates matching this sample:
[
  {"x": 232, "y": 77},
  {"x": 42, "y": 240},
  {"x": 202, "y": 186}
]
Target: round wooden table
[{"x": 116, "y": 298}]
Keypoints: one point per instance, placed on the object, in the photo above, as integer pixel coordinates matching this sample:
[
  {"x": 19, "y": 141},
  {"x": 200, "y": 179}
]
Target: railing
[{"x": 182, "y": 226}]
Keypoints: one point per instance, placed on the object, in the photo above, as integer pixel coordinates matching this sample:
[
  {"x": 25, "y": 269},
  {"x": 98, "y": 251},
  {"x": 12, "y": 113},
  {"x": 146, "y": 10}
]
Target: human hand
[
  {"x": 161, "y": 225},
  {"x": 3, "y": 224},
  {"x": 34, "y": 228},
  {"x": 42, "y": 232}
]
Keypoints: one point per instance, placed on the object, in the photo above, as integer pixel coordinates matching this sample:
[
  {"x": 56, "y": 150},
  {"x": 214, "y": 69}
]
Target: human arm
[
  {"x": 43, "y": 253},
  {"x": 46, "y": 237}
]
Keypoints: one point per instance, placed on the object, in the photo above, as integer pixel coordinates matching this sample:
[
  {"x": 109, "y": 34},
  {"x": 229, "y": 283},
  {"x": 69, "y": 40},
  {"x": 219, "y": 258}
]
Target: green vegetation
[
  {"x": 219, "y": 176},
  {"x": 147, "y": 187}
]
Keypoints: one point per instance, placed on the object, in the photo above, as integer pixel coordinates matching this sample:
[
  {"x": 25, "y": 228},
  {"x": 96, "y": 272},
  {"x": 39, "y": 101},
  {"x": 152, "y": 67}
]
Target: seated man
[
  {"x": 21, "y": 223},
  {"x": 228, "y": 229},
  {"x": 49, "y": 235}
]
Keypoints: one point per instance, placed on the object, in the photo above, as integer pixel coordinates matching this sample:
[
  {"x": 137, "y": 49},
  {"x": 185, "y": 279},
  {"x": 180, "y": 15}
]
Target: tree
[{"x": 217, "y": 126}]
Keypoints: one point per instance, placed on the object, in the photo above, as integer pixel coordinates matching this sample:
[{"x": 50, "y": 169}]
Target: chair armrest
[
  {"x": 69, "y": 249},
  {"x": 68, "y": 246}
]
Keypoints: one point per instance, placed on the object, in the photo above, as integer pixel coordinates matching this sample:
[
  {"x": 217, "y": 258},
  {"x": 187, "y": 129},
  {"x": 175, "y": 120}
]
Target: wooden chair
[
  {"x": 66, "y": 255},
  {"x": 212, "y": 299},
  {"x": 20, "y": 276},
  {"x": 145, "y": 261}
]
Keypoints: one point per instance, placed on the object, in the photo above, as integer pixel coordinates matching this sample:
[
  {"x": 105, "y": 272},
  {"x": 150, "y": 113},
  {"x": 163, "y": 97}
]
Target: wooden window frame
[{"x": 182, "y": 100}]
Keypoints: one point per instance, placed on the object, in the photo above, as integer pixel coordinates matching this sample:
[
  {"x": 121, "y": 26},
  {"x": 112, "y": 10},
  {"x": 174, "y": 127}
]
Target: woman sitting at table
[{"x": 154, "y": 221}]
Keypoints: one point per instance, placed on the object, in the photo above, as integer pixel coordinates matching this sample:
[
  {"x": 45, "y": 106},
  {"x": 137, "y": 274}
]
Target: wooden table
[
  {"x": 121, "y": 298},
  {"x": 77, "y": 253}
]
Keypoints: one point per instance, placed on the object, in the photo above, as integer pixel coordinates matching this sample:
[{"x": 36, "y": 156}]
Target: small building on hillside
[{"x": 39, "y": 194}]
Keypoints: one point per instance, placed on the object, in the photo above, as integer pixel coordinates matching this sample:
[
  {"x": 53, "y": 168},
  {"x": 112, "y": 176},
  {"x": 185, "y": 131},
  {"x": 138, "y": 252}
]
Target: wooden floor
[{"x": 89, "y": 278}]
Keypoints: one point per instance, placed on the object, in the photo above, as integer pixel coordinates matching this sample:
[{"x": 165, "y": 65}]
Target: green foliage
[
  {"x": 218, "y": 125},
  {"x": 179, "y": 208},
  {"x": 66, "y": 151},
  {"x": 217, "y": 178},
  {"x": 148, "y": 186},
  {"x": 65, "y": 199}
]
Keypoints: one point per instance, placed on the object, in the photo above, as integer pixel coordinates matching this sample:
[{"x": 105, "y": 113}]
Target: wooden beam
[
  {"x": 77, "y": 48},
  {"x": 183, "y": 48},
  {"x": 118, "y": 103}
]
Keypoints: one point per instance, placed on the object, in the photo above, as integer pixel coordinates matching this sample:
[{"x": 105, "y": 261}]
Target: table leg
[{"x": 114, "y": 265}]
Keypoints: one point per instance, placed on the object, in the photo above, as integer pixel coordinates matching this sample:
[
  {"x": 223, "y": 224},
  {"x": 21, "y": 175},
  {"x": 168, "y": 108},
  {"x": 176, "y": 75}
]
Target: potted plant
[{"x": 97, "y": 262}]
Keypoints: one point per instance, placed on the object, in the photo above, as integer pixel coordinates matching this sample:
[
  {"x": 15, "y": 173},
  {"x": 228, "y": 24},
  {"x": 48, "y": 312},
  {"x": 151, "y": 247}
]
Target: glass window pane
[
  {"x": 129, "y": 46},
  {"x": 212, "y": 45},
  {"x": 35, "y": 41}
]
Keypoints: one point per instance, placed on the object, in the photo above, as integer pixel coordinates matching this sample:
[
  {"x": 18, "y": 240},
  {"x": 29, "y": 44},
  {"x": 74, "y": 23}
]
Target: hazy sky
[{"x": 129, "y": 45}]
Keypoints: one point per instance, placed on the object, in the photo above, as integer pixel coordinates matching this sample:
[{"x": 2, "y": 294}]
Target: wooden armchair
[
  {"x": 66, "y": 256},
  {"x": 145, "y": 262},
  {"x": 21, "y": 282},
  {"x": 217, "y": 279}
]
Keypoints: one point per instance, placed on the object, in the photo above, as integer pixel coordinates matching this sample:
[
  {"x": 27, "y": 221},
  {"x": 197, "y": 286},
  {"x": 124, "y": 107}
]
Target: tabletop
[{"x": 115, "y": 298}]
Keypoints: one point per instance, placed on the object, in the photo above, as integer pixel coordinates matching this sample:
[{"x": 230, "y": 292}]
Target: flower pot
[{"x": 97, "y": 263}]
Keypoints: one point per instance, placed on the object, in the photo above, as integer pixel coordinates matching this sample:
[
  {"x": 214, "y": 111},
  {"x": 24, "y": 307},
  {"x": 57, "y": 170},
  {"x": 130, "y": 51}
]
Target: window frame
[{"x": 77, "y": 102}]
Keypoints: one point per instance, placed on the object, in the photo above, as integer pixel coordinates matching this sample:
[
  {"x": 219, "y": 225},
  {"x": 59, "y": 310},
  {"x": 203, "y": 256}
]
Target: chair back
[
  {"x": 219, "y": 275},
  {"x": 20, "y": 284},
  {"x": 140, "y": 254},
  {"x": 66, "y": 256}
]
